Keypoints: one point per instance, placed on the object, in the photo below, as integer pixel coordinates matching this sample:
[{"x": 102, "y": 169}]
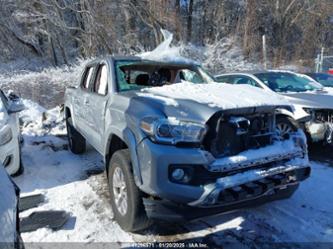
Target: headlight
[
  {"x": 172, "y": 131},
  {"x": 6, "y": 135}
]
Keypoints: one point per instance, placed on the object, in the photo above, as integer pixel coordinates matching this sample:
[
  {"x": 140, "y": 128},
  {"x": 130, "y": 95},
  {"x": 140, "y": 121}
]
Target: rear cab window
[{"x": 87, "y": 77}]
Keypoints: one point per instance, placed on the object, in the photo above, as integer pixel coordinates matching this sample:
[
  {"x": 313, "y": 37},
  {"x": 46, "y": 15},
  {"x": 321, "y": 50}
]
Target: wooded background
[{"x": 59, "y": 31}]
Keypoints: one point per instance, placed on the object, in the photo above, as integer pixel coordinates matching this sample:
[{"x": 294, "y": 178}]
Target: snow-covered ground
[{"x": 66, "y": 181}]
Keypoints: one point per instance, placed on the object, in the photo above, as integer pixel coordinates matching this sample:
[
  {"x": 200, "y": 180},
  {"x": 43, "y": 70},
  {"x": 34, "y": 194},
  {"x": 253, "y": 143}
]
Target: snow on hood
[{"x": 220, "y": 95}]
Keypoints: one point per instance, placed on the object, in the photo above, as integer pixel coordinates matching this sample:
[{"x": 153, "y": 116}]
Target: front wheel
[
  {"x": 126, "y": 198},
  {"x": 76, "y": 142}
]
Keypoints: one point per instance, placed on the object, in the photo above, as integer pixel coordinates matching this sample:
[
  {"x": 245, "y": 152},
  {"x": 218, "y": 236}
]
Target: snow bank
[
  {"x": 37, "y": 121},
  {"x": 221, "y": 95}
]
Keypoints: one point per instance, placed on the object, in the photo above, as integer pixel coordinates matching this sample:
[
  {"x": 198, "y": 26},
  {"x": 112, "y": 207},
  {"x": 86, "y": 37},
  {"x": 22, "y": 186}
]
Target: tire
[
  {"x": 76, "y": 142},
  {"x": 132, "y": 217},
  {"x": 285, "y": 125},
  {"x": 19, "y": 242}
]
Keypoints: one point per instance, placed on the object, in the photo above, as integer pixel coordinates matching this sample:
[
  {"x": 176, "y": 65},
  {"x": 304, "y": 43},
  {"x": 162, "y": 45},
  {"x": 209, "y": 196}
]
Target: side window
[
  {"x": 87, "y": 77},
  {"x": 244, "y": 80},
  {"x": 101, "y": 81},
  {"x": 224, "y": 79},
  {"x": 191, "y": 76}
]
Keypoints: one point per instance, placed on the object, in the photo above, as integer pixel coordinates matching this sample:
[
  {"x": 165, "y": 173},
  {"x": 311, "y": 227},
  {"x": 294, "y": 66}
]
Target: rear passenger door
[
  {"x": 81, "y": 107},
  {"x": 98, "y": 104}
]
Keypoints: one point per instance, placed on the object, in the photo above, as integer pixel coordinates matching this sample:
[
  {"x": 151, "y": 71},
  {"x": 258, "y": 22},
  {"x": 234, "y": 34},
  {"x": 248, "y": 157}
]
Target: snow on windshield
[{"x": 219, "y": 95}]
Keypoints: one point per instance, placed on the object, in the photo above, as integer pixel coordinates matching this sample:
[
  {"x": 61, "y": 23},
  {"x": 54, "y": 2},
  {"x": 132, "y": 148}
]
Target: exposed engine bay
[
  {"x": 229, "y": 135},
  {"x": 320, "y": 128}
]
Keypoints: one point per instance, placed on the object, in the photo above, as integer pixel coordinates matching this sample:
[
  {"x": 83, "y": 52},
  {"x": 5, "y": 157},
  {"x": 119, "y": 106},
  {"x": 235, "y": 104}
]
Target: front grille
[
  {"x": 323, "y": 115},
  {"x": 230, "y": 135}
]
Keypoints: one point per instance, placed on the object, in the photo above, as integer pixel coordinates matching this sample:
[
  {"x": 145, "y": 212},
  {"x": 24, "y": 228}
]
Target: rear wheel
[
  {"x": 285, "y": 125},
  {"x": 126, "y": 198},
  {"x": 76, "y": 142}
]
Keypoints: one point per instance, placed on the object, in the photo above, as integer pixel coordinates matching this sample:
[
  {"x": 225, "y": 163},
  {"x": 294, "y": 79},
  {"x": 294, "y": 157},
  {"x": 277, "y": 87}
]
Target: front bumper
[
  {"x": 248, "y": 171},
  {"x": 170, "y": 211},
  {"x": 250, "y": 185}
]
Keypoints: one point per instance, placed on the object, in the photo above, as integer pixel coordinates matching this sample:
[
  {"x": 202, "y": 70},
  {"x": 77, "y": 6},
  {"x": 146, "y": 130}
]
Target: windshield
[
  {"x": 287, "y": 82},
  {"x": 323, "y": 78},
  {"x": 134, "y": 75}
]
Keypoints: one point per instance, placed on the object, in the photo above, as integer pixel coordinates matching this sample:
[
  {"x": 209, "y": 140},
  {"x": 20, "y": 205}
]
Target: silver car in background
[{"x": 313, "y": 105}]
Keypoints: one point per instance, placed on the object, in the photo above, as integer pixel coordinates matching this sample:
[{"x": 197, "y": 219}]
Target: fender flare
[{"x": 129, "y": 139}]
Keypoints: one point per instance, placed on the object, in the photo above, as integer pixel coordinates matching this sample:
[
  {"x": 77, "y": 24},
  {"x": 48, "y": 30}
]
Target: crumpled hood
[
  {"x": 319, "y": 99},
  {"x": 200, "y": 101}
]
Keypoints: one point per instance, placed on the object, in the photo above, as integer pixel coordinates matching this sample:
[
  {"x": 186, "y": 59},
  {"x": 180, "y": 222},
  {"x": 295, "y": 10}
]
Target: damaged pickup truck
[{"x": 176, "y": 144}]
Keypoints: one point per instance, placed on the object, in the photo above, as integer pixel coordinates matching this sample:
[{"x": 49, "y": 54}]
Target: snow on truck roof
[
  {"x": 164, "y": 54},
  {"x": 146, "y": 60}
]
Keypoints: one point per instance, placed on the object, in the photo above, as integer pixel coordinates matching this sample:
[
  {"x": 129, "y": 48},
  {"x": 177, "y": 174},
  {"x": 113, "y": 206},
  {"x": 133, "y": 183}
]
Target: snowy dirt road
[{"x": 69, "y": 182}]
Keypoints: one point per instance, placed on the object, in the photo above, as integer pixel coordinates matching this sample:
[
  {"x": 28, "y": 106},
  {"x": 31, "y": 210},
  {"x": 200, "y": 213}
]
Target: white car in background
[
  {"x": 9, "y": 213},
  {"x": 10, "y": 138}
]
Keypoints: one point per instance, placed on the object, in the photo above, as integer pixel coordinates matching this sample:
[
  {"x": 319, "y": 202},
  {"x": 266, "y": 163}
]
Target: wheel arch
[
  {"x": 284, "y": 112},
  {"x": 117, "y": 142},
  {"x": 68, "y": 112}
]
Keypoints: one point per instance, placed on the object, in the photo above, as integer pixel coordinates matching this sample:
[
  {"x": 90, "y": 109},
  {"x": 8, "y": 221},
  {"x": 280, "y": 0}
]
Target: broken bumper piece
[
  {"x": 250, "y": 185},
  {"x": 160, "y": 209}
]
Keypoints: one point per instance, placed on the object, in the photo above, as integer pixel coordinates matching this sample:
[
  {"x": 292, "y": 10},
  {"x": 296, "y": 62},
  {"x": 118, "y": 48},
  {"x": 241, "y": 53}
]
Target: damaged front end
[
  {"x": 320, "y": 128},
  {"x": 249, "y": 158}
]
